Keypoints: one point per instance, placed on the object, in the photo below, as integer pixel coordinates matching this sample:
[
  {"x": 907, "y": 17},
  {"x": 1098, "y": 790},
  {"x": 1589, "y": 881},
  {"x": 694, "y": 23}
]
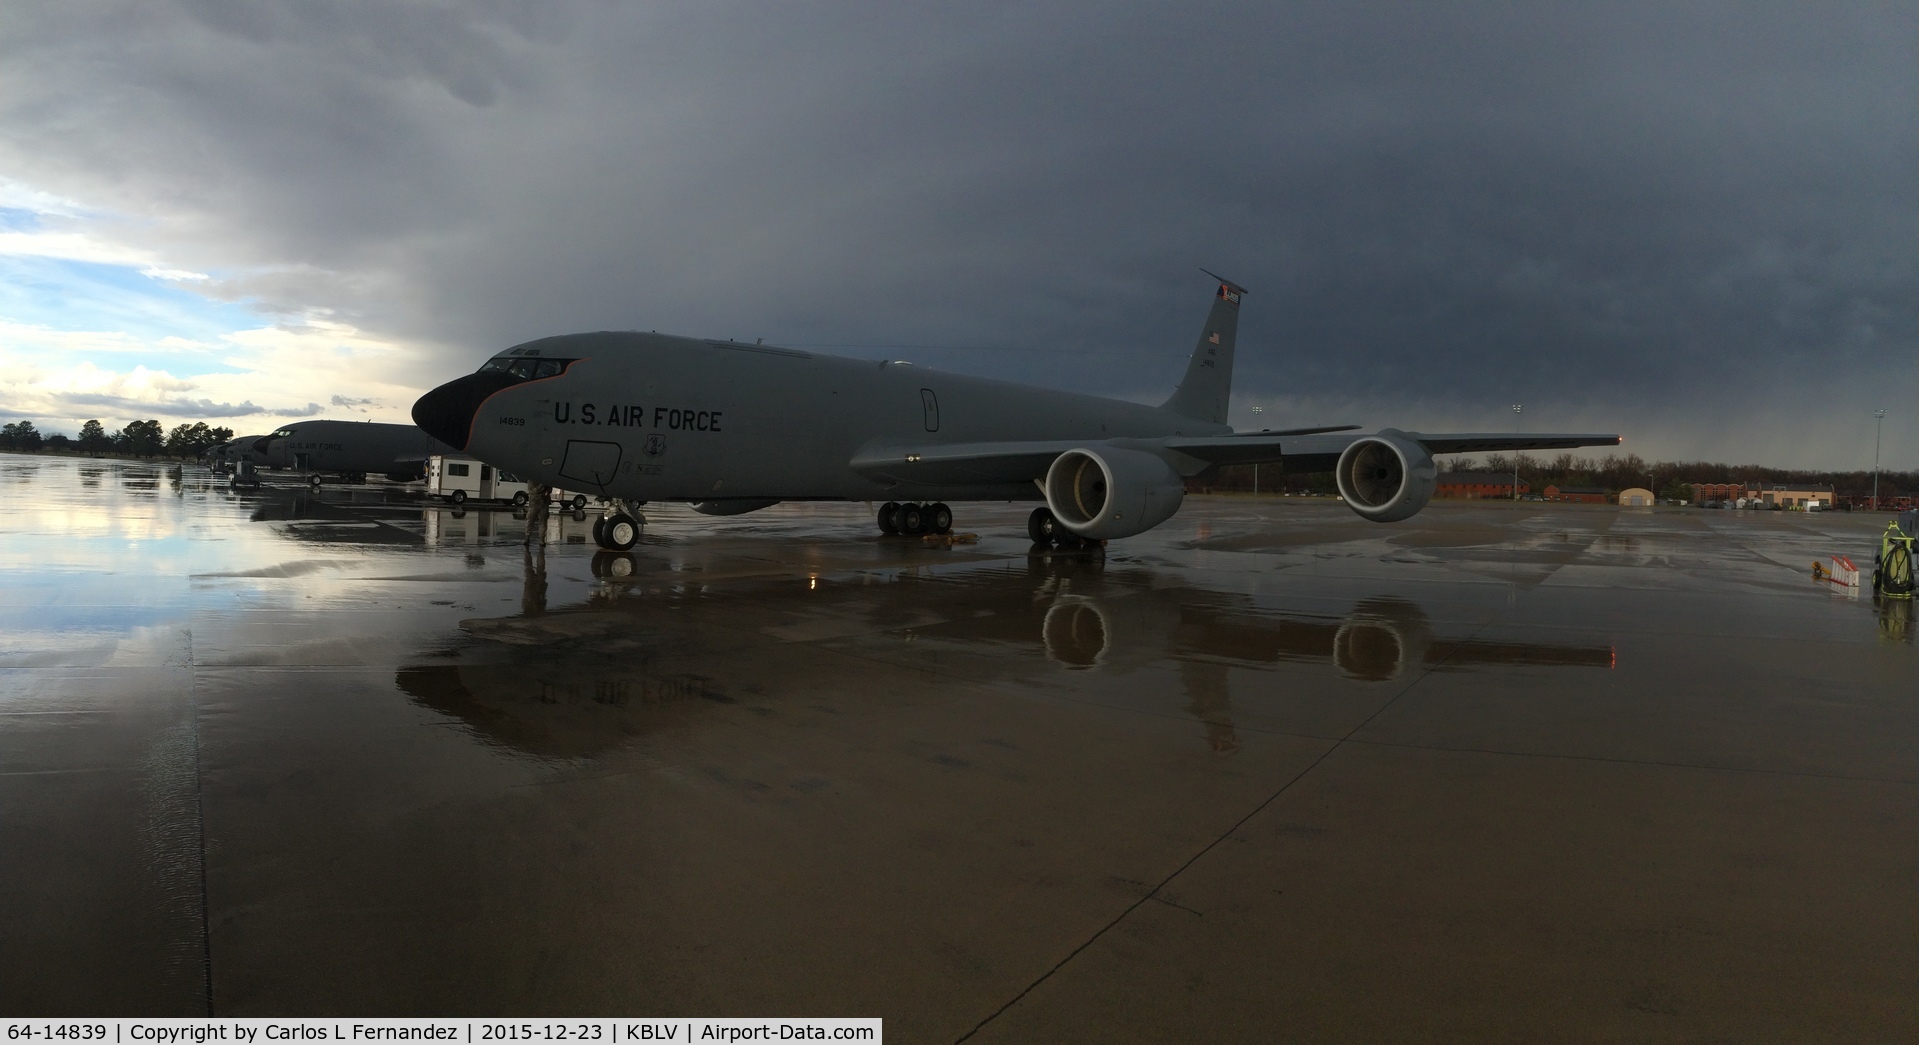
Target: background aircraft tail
[{"x": 1208, "y": 383}]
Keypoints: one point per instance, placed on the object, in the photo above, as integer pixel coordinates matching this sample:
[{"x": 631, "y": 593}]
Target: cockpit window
[
  {"x": 527, "y": 369},
  {"x": 283, "y": 433}
]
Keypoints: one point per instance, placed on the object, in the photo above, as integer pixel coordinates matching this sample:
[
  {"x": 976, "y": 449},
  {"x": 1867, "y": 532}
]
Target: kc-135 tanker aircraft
[
  {"x": 350, "y": 448},
  {"x": 733, "y": 427}
]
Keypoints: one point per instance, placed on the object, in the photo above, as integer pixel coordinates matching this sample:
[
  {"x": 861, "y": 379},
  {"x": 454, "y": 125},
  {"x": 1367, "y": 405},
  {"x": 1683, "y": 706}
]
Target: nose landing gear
[{"x": 619, "y": 529}]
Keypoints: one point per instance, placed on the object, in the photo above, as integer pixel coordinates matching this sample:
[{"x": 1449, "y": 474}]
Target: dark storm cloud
[{"x": 1692, "y": 222}]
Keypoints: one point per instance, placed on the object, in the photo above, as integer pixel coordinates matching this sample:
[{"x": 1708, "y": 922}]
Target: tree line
[
  {"x": 1672, "y": 479},
  {"x": 135, "y": 439},
  {"x": 1613, "y": 472}
]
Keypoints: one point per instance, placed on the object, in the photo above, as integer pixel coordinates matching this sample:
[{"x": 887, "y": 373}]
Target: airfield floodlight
[
  {"x": 1257, "y": 410},
  {"x": 1516, "y": 408},
  {"x": 1880, "y": 423}
]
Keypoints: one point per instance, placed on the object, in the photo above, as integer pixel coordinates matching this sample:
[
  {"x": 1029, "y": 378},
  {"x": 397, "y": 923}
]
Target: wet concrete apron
[{"x": 1267, "y": 773}]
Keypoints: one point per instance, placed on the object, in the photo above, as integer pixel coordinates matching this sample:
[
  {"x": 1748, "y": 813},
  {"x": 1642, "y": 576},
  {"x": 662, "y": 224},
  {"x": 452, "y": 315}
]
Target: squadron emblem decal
[{"x": 654, "y": 446}]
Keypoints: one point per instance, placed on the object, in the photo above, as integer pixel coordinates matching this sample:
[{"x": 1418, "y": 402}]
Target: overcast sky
[{"x": 1696, "y": 224}]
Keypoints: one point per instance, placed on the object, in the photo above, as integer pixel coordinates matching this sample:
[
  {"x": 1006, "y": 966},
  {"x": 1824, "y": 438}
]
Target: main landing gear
[
  {"x": 1045, "y": 530},
  {"x": 911, "y": 520},
  {"x": 619, "y": 529}
]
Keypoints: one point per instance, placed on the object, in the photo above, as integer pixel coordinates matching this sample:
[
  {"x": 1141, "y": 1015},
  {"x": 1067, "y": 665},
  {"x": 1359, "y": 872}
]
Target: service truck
[{"x": 458, "y": 480}]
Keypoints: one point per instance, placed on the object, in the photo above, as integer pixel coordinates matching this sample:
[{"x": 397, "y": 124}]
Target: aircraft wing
[
  {"x": 1321, "y": 453},
  {"x": 1298, "y": 450}
]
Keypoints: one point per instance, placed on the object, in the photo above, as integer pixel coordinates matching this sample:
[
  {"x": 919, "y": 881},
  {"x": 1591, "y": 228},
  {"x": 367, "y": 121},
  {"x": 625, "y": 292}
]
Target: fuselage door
[
  {"x": 591, "y": 462},
  {"x": 931, "y": 404}
]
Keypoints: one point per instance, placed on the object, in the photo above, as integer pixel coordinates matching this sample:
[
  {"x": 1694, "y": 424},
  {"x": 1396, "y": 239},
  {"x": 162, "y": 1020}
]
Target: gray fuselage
[
  {"x": 348, "y": 447},
  {"x": 655, "y": 417}
]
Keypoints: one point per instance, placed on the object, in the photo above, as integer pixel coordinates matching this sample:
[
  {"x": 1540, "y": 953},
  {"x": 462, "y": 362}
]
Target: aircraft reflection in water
[{"x": 593, "y": 676}]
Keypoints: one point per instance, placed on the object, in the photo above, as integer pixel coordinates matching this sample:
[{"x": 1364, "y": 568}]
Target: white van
[{"x": 460, "y": 479}]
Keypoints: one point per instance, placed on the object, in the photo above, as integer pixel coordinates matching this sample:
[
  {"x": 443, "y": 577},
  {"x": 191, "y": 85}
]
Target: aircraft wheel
[
  {"x": 458, "y": 497},
  {"x": 1043, "y": 528},
  {"x": 520, "y": 499},
  {"x": 890, "y": 517},
  {"x": 313, "y": 480},
  {"x": 599, "y": 530},
  {"x": 619, "y": 533},
  {"x": 578, "y": 502},
  {"x": 939, "y": 519},
  {"x": 911, "y": 519}
]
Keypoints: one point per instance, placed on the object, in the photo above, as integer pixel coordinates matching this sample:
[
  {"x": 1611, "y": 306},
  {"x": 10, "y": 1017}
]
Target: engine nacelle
[
  {"x": 1112, "y": 492},
  {"x": 1386, "y": 477}
]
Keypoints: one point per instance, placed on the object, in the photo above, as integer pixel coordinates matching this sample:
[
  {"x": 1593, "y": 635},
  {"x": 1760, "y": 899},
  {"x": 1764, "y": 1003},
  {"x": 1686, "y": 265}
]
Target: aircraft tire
[
  {"x": 458, "y": 497},
  {"x": 1043, "y": 528},
  {"x": 939, "y": 519},
  {"x": 911, "y": 520},
  {"x": 578, "y": 503},
  {"x": 889, "y": 517},
  {"x": 520, "y": 499},
  {"x": 619, "y": 533},
  {"x": 313, "y": 480},
  {"x": 599, "y": 531}
]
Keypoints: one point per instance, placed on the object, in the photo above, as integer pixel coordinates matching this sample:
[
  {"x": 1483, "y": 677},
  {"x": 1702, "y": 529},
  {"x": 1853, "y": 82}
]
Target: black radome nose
[{"x": 446, "y": 413}]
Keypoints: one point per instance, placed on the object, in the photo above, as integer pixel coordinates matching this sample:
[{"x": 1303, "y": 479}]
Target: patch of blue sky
[
  {"x": 67, "y": 295},
  {"x": 19, "y": 219}
]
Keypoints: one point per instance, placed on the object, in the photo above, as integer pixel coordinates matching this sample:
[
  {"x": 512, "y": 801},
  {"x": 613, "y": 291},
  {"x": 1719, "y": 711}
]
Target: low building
[
  {"x": 1705, "y": 493},
  {"x": 1780, "y": 496},
  {"x": 1579, "y": 494},
  {"x": 1636, "y": 497},
  {"x": 1478, "y": 484}
]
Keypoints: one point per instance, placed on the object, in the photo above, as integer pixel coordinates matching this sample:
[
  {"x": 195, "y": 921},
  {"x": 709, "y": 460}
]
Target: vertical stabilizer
[{"x": 1208, "y": 383}]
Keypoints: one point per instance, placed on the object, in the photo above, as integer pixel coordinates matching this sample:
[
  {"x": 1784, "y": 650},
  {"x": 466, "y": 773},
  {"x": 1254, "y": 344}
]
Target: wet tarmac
[{"x": 1268, "y": 773}]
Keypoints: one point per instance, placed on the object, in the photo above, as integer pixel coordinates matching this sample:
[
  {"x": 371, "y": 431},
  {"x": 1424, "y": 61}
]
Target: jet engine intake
[
  {"x": 1112, "y": 492},
  {"x": 1386, "y": 477}
]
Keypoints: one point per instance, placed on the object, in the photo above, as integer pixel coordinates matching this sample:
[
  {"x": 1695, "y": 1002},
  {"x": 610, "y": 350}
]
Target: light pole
[
  {"x": 1880, "y": 416},
  {"x": 1256, "y": 412},
  {"x": 1516, "y": 407}
]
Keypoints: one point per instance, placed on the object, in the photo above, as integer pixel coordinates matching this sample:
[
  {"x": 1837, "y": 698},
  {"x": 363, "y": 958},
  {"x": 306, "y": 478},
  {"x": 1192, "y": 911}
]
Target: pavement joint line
[
  {"x": 1633, "y": 762},
  {"x": 1210, "y": 846},
  {"x": 200, "y": 818}
]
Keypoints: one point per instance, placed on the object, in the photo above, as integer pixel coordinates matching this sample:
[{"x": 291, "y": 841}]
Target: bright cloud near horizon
[{"x": 1692, "y": 224}]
